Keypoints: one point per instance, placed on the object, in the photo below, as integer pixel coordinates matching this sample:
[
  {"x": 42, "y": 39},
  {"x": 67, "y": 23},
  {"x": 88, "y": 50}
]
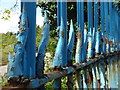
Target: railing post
[
  {"x": 42, "y": 47},
  {"x": 60, "y": 59},
  {"x": 15, "y": 68},
  {"x": 30, "y": 48},
  {"x": 78, "y": 55},
  {"x": 107, "y": 27},
  {"x": 90, "y": 29},
  {"x": 102, "y": 20},
  {"x": 81, "y": 43},
  {"x": 69, "y": 55},
  {"x": 110, "y": 26},
  {"x": 102, "y": 73},
  {"x": 94, "y": 84},
  {"x": 96, "y": 39},
  {"x": 25, "y": 48}
]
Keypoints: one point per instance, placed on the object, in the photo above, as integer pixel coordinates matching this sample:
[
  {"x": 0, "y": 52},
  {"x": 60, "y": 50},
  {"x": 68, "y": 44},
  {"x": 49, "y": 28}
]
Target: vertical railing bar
[{"x": 90, "y": 29}]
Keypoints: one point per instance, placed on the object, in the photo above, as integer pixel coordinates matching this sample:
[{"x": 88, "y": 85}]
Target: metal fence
[{"x": 97, "y": 49}]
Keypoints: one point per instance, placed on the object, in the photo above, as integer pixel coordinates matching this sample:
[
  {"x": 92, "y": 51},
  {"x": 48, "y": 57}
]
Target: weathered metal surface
[
  {"x": 57, "y": 74},
  {"x": 100, "y": 72},
  {"x": 70, "y": 45},
  {"x": 78, "y": 55},
  {"x": 15, "y": 68},
  {"x": 94, "y": 83},
  {"x": 85, "y": 44},
  {"x": 42, "y": 47},
  {"x": 79, "y": 79},
  {"x": 101, "y": 66},
  {"x": 97, "y": 46},
  {"x": 69, "y": 55},
  {"x": 90, "y": 50},
  {"x": 61, "y": 50},
  {"x": 29, "y": 63}
]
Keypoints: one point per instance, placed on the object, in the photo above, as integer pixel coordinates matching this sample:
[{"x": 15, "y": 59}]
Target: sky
[{"x": 11, "y": 25}]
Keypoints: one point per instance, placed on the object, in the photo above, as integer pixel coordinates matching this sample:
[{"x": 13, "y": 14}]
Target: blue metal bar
[
  {"x": 78, "y": 54},
  {"x": 107, "y": 27},
  {"x": 85, "y": 43},
  {"x": 102, "y": 21},
  {"x": 70, "y": 47},
  {"x": 58, "y": 13},
  {"x": 94, "y": 76},
  {"x": 61, "y": 50},
  {"x": 79, "y": 80},
  {"x": 113, "y": 29},
  {"x": 64, "y": 16},
  {"x": 96, "y": 41},
  {"x": 90, "y": 16},
  {"x": 70, "y": 42},
  {"x": 29, "y": 56},
  {"x": 90, "y": 27},
  {"x": 90, "y": 51},
  {"x": 102, "y": 73},
  {"x": 95, "y": 21},
  {"x": 111, "y": 25},
  {"x": 15, "y": 68},
  {"x": 80, "y": 35},
  {"x": 82, "y": 29},
  {"x": 42, "y": 47}
]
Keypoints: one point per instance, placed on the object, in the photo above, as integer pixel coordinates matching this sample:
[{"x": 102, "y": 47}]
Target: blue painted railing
[{"x": 97, "y": 50}]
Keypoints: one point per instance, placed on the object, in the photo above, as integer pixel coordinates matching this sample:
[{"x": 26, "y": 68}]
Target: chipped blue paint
[
  {"x": 90, "y": 40},
  {"x": 102, "y": 26},
  {"x": 105, "y": 73},
  {"x": 82, "y": 28},
  {"x": 94, "y": 84},
  {"x": 102, "y": 74},
  {"x": 78, "y": 46},
  {"x": 106, "y": 27},
  {"x": 80, "y": 32},
  {"x": 16, "y": 59},
  {"x": 85, "y": 43},
  {"x": 59, "y": 50},
  {"x": 64, "y": 17},
  {"x": 43, "y": 45},
  {"x": 29, "y": 63},
  {"x": 90, "y": 29},
  {"x": 60, "y": 59},
  {"x": 97, "y": 47},
  {"x": 70, "y": 45}
]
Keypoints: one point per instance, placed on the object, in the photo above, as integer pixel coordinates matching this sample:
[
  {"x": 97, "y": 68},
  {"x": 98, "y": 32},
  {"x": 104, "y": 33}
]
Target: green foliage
[
  {"x": 8, "y": 41},
  {"x": 6, "y": 14},
  {"x": 2, "y": 81},
  {"x": 49, "y": 86},
  {"x": 51, "y": 7},
  {"x": 38, "y": 36}
]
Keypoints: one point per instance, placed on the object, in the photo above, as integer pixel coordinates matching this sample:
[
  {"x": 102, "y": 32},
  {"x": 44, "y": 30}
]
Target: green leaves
[{"x": 6, "y": 14}]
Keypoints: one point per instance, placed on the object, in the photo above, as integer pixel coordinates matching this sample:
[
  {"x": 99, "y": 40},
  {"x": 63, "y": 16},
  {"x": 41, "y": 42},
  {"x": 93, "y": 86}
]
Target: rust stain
[
  {"x": 111, "y": 43},
  {"x": 114, "y": 69},
  {"x": 79, "y": 36},
  {"x": 106, "y": 40}
]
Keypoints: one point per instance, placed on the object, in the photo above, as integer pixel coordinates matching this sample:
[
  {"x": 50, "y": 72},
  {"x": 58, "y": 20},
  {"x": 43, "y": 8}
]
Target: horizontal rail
[{"x": 35, "y": 83}]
